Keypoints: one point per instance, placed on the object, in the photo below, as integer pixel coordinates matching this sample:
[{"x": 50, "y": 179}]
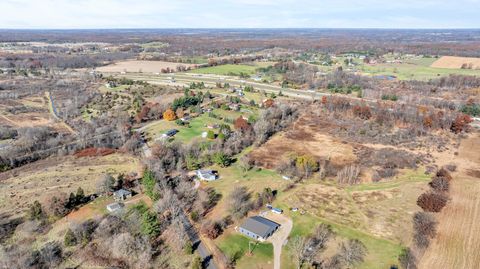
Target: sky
[{"x": 103, "y": 14}]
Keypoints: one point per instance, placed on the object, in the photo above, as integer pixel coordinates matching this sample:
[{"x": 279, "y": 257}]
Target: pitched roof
[
  {"x": 122, "y": 192},
  {"x": 260, "y": 226}
]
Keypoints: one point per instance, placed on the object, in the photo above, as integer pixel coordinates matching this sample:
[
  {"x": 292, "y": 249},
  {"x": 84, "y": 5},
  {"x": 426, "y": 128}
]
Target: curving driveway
[{"x": 279, "y": 238}]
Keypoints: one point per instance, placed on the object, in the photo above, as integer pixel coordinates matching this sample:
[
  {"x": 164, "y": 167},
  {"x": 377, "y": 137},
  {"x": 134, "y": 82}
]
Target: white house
[
  {"x": 207, "y": 175},
  {"x": 113, "y": 207}
]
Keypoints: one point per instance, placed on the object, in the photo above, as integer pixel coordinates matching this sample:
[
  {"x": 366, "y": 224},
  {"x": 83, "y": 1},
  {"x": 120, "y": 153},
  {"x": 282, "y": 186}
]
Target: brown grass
[
  {"x": 453, "y": 62},
  {"x": 457, "y": 243},
  {"x": 307, "y": 136},
  {"x": 41, "y": 179},
  {"x": 133, "y": 66}
]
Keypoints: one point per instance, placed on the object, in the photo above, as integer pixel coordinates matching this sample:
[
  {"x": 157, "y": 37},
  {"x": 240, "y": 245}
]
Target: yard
[
  {"x": 378, "y": 214},
  {"x": 235, "y": 245},
  {"x": 197, "y": 125},
  {"x": 227, "y": 70}
]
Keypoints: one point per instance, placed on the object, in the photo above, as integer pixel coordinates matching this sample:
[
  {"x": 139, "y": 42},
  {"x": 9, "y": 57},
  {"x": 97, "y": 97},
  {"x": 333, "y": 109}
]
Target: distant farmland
[
  {"x": 134, "y": 66},
  {"x": 452, "y": 62}
]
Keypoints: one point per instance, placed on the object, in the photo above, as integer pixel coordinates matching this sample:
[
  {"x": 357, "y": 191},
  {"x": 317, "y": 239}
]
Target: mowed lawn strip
[{"x": 227, "y": 69}]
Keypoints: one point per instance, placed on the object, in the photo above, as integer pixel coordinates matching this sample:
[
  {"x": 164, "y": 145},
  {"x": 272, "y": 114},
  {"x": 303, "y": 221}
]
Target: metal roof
[{"x": 260, "y": 226}]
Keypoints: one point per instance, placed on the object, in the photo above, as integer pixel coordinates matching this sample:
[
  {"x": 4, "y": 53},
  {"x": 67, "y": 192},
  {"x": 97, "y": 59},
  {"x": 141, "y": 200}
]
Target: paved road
[
  {"x": 183, "y": 79},
  {"x": 192, "y": 234}
]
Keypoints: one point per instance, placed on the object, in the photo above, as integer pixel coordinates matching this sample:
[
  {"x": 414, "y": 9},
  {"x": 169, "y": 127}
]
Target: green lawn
[
  {"x": 354, "y": 212},
  {"x": 418, "y": 69},
  {"x": 409, "y": 176},
  {"x": 236, "y": 245},
  {"x": 415, "y": 68},
  {"x": 185, "y": 134},
  {"x": 227, "y": 69},
  {"x": 381, "y": 253}
]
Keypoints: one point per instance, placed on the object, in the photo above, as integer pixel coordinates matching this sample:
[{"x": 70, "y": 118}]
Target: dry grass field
[
  {"x": 453, "y": 62},
  {"x": 39, "y": 180},
  {"x": 305, "y": 137},
  {"x": 457, "y": 243},
  {"x": 133, "y": 66}
]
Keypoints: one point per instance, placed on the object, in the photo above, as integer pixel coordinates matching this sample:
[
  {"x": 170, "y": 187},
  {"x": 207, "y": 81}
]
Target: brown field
[
  {"x": 134, "y": 66},
  {"x": 457, "y": 243},
  {"x": 307, "y": 136},
  {"x": 41, "y": 179},
  {"x": 453, "y": 62}
]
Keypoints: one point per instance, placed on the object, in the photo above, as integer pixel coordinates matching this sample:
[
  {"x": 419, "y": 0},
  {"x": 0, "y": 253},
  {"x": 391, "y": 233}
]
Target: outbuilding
[
  {"x": 258, "y": 228},
  {"x": 207, "y": 175},
  {"x": 113, "y": 207}
]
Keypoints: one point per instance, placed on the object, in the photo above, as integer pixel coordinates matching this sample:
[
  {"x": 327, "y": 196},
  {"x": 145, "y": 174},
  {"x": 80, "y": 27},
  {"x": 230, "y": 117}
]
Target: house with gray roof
[
  {"x": 258, "y": 228},
  {"x": 122, "y": 194},
  {"x": 113, "y": 207},
  {"x": 207, "y": 175}
]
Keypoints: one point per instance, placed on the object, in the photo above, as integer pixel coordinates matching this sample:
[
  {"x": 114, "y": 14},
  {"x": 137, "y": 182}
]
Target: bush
[
  {"x": 221, "y": 159},
  {"x": 70, "y": 239},
  {"x": 471, "y": 109},
  {"x": 440, "y": 184},
  {"x": 169, "y": 115},
  {"x": 210, "y": 134},
  {"x": 35, "y": 212},
  {"x": 424, "y": 227},
  {"x": 432, "y": 201},
  {"x": 212, "y": 229},
  {"x": 460, "y": 124}
]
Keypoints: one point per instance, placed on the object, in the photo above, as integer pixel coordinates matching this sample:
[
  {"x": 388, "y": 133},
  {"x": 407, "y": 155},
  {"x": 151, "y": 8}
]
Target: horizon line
[{"x": 233, "y": 28}]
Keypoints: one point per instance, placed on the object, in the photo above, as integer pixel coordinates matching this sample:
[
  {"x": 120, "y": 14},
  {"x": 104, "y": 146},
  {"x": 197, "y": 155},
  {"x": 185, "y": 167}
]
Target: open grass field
[
  {"x": 254, "y": 180},
  {"x": 197, "y": 126},
  {"x": 227, "y": 69},
  {"x": 134, "y": 66},
  {"x": 382, "y": 253},
  {"x": 452, "y": 62},
  {"x": 419, "y": 69},
  {"x": 233, "y": 244},
  {"x": 457, "y": 242},
  {"x": 42, "y": 179},
  {"x": 379, "y": 218}
]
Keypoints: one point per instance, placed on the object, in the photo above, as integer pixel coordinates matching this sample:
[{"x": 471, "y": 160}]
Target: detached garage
[{"x": 258, "y": 228}]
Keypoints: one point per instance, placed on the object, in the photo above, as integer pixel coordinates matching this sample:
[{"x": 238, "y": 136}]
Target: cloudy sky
[{"x": 66, "y": 14}]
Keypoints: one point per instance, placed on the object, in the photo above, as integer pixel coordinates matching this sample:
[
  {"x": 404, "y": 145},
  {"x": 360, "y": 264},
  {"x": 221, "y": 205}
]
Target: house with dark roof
[{"x": 258, "y": 228}]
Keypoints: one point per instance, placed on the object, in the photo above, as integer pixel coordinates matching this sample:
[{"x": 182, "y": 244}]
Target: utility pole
[{"x": 250, "y": 249}]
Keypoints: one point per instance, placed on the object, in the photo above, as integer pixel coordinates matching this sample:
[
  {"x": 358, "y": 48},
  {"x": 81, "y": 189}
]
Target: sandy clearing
[
  {"x": 457, "y": 243},
  {"x": 453, "y": 62},
  {"x": 134, "y": 66}
]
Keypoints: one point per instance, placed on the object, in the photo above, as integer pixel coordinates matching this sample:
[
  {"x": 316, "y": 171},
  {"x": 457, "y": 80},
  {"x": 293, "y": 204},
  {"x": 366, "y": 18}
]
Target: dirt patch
[
  {"x": 453, "y": 62},
  {"x": 134, "y": 66},
  {"x": 92, "y": 152}
]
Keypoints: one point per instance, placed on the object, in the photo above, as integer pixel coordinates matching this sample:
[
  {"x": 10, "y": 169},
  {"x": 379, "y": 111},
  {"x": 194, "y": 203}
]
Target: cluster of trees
[
  {"x": 308, "y": 251},
  {"x": 299, "y": 166},
  {"x": 425, "y": 223}
]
